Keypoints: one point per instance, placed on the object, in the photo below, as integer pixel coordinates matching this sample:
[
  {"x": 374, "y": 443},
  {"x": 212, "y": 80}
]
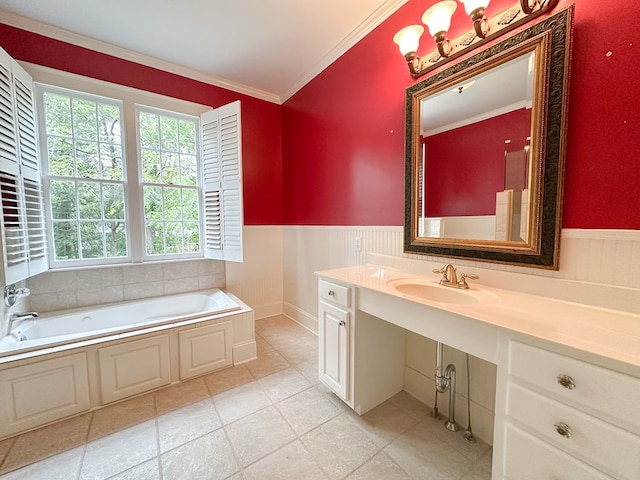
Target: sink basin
[{"x": 433, "y": 292}]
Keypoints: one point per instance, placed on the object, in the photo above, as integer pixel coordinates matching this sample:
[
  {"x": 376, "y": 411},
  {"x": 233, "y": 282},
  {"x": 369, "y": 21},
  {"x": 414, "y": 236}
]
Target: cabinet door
[
  {"x": 333, "y": 336},
  {"x": 205, "y": 349}
]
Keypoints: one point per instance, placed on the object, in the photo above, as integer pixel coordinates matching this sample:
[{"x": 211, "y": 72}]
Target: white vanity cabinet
[
  {"x": 334, "y": 323},
  {"x": 562, "y": 417},
  {"x": 361, "y": 357}
]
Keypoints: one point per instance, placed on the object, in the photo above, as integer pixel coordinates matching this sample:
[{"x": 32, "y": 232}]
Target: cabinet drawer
[
  {"x": 607, "y": 394},
  {"x": 334, "y": 293},
  {"x": 529, "y": 458},
  {"x": 599, "y": 443}
]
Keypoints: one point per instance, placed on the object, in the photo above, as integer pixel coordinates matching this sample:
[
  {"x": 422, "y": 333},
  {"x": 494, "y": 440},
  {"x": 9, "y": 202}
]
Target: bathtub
[
  {"x": 88, "y": 358},
  {"x": 112, "y": 320}
]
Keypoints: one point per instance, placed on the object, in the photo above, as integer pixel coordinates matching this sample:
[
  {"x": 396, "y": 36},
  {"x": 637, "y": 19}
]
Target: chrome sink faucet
[
  {"x": 19, "y": 317},
  {"x": 450, "y": 277}
]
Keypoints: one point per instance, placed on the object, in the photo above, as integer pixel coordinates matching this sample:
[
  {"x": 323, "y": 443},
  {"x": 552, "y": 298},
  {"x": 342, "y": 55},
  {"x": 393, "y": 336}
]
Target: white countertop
[{"x": 608, "y": 333}]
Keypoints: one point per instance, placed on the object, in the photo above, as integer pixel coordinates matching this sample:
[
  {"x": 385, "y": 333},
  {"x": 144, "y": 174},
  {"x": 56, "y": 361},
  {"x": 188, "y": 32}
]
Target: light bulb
[
  {"x": 438, "y": 17},
  {"x": 471, "y": 5},
  {"x": 408, "y": 38}
]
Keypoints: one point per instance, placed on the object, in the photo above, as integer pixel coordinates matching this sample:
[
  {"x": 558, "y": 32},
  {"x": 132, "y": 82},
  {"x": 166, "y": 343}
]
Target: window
[
  {"x": 127, "y": 182},
  {"x": 86, "y": 177},
  {"x": 170, "y": 183}
]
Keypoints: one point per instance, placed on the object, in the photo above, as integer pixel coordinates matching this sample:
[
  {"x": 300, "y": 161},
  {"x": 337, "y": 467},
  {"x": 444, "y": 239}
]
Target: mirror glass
[
  {"x": 475, "y": 140},
  {"x": 484, "y": 154}
]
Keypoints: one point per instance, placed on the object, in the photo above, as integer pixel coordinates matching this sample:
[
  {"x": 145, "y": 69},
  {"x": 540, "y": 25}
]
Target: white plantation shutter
[
  {"x": 14, "y": 231},
  {"x": 26, "y": 119},
  {"x": 22, "y": 219},
  {"x": 222, "y": 182}
]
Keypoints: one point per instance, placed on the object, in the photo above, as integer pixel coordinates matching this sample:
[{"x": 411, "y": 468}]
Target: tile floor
[{"x": 266, "y": 419}]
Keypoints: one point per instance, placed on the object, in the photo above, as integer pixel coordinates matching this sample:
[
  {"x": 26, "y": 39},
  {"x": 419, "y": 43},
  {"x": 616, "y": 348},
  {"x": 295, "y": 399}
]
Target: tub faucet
[{"x": 19, "y": 317}]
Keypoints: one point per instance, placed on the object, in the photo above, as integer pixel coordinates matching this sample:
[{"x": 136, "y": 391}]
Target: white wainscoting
[
  {"x": 258, "y": 280},
  {"x": 599, "y": 267}
]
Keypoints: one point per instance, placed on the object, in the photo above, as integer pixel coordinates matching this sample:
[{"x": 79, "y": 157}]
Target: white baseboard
[
  {"x": 269, "y": 310},
  {"x": 303, "y": 318},
  {"x": 245, "y": 352}
]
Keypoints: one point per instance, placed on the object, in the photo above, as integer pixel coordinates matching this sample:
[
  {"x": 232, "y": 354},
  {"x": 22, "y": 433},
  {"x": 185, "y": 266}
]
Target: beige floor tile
[
  {"x": 477, "y": 474},
  {"x": 258, "y": 435},
  {"x": 235, "y": 404},
  {"x": 283, "y": 384},
  {"x": 268, "y": 363},
  {"x": 64, "y": 466},
  {"x": 115, "y": 453},
  {"x": 47, "y": 441},
  {"x": 120, "y": 416},
  {"x": 149, "y": 470},
  {"x": 423, "y": 455},
  {"x": 5, "y": 446},
  {"x": 296, "y": 354},
  {"x": 485, "y": 461},
  {"x": 309, "y": 369},
  {"x": 473, "y": 451},
  {"x": 307, "y": 410},
  {"x": 380, "y": 467},
  {"x": 227, "y": 379},
  {"x": 411, "y": 405},
  {"x": 339, "y": 446},
  {"x": 188, "y": 423},
  {"x": 290, "y": 462},
  {"x": 181, "y": 394},
  {"x": 385, "y": 422},
  {"x": 206, "y": 458},
  {"x": 262, "y": 346}
]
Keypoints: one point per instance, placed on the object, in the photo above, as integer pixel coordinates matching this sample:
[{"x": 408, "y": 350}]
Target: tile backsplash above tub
[{"x": 63, "y": 289}]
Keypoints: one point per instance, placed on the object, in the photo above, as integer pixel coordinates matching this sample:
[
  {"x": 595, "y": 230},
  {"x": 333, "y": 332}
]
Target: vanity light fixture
[
  {"x": 475, "y": 9},
  {"x": 438, "y": 19}
]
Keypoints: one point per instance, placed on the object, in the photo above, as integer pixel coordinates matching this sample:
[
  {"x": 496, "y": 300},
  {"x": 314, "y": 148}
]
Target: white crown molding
[
  {"x": 478, "y": 118},
  {"x": 375, "y": 19},
  {"x": 63, "y": 35}
]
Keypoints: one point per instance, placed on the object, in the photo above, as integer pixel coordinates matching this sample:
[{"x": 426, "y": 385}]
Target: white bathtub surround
[
  {"x": 61, "y": 290},
  {"x": 87, "y": 358}
]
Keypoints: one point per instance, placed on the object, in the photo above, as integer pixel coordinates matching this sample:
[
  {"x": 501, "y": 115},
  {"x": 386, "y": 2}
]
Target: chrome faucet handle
[
  {"x": 463, "y": 279},
  {"x": 19, "y": 317}
]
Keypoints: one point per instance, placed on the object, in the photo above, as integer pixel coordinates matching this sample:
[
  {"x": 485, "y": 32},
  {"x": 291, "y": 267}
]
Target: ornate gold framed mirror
[{"x": 485, "y": 147}]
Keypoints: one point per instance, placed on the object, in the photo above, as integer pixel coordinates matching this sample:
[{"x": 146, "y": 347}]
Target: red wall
[
  {"x": 261, "y": 120},
  {"x": 337, "y": 158},
  {"x": 474, "y": 169},
  {"x": 343, "y": 146}
]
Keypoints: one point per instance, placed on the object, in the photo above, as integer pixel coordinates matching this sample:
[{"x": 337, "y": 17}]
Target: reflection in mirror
[
  {"x": 485, "y": 143},
  {"x": 475, "y": 142}
]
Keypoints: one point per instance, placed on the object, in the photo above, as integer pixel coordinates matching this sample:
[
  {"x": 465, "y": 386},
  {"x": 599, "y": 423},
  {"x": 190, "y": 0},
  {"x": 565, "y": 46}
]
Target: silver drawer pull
[
  {"x": 342, "y": 323},
  {"x": 331, "y": 293},
  {"x": 566, "y": 381},
  {"x": 563, "y": 429}
]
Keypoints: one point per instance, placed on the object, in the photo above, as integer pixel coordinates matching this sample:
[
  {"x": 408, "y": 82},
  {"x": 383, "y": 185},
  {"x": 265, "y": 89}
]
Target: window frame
[
  {"x": 180, "y": 116},
  {"x": 47, "y": 177},
  {"x": 49, "y": 79}
]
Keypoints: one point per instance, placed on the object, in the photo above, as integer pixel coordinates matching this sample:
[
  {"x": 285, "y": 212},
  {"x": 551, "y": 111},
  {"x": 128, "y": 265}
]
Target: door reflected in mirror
[{"x": 475, "y": 139}]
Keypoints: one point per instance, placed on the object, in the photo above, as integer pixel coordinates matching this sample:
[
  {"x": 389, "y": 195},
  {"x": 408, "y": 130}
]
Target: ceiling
[
  {"x": 266, "y": 48},
  {"x": 499, "y": 90}
]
